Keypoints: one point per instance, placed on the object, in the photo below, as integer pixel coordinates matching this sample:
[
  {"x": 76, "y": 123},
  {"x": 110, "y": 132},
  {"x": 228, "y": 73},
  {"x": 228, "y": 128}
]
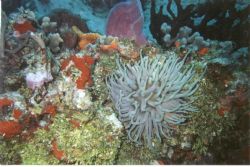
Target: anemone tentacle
[{"x": 152, "y": 96}]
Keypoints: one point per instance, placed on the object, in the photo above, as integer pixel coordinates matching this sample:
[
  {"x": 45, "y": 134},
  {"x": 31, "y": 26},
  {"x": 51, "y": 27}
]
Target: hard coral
[
  {"x": 47, "y": 25},
  {"x": 226, "y": 16},
  {"x": 185, "y": 39},
  {"x": 151, "y": 96},
  {"x": 54, "y": 42},
  {"x": 126, "y": 21}
]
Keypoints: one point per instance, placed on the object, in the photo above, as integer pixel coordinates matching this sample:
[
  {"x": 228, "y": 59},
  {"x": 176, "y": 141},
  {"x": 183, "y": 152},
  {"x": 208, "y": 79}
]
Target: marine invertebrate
[
  {"x": 24, "y": 21},
  {"x": 185, "y": 39},
  {"x": 59, "y": 154},
  {"x": 9, "y": 110},
  {"x": 86, "y": 39},
  {"x": 151, "y": 97},
  {"x": 9, "y": 128},
  {"x": 130, "y": 26},
  {"x": 84, "y": 65},
  {"x": 54, "y": 42},
  {"x": 81, "y": 99},
  {"x": 111, "y": 47},
  {"x": 69, "y": 39},
  {"x": 47, "y": 25},
  {"x": 36, "y": 80},
  {"x": 50, "y": 109},
  {"x": 22, "y": 27},
  {"x": 221, "y": 20}
]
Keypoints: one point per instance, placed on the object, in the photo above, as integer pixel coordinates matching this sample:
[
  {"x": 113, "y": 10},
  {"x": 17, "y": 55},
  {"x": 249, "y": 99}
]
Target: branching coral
[
  {"x": 221, "y": 20},
  {"x": 151, "y": 96}
]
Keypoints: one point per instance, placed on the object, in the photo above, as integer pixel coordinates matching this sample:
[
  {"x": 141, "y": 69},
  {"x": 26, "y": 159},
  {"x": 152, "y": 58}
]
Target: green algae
[
  {"x": 207, "y": 125},
  {"x": 131, "y": 154},
  {"x": 38, "y": 150},
  {"x": 10, "y": 152},
  {"x": 95, "y": 142}
]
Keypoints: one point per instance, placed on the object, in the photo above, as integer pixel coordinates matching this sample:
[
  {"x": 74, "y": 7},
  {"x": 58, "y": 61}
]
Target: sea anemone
[{"x": 152, "y": 96}]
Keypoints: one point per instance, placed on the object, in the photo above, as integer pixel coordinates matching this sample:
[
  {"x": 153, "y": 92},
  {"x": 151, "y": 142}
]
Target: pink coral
[{"x": 126, "y": 21}]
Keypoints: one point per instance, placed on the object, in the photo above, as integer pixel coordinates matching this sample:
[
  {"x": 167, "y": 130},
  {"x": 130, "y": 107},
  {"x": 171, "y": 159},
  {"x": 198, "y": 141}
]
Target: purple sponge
[{"x": 125, "y": 20}]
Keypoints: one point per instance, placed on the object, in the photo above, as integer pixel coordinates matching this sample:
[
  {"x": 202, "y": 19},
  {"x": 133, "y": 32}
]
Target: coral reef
[
  {"x": 207, "y": 18},
  {"x": 184, "y": 38},
  {"x": 70, "y": 38},
  {"x": 54, "y": 42},
  {"x": 24, "y": 22},
  {"x": 36, "y": 80},
  {"x": 83, "y": 64},
  {"x": 70, "y": 96},
  {"x": 47, "y": 25},
  {"x": 12, "y": 108},
  {"x": 77, "y": 146},
  {"x": 151, "y": 96},
  {"x": 85, "y": 38},
  {"x": 22, "y": 27},
  {"x": 65, "y": 17}
]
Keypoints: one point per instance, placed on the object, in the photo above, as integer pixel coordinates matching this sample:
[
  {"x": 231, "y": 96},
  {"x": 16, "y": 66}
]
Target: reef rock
[{"x": 96, "y": 141}]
